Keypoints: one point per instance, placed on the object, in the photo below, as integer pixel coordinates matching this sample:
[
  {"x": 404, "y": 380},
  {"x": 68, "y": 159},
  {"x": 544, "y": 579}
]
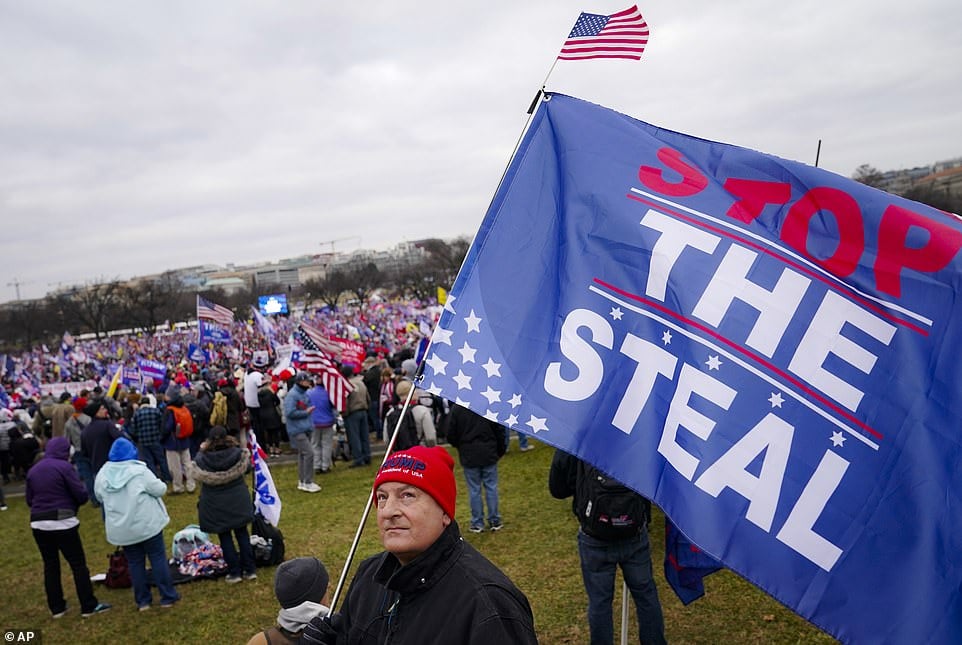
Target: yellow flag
[
  {"x": 114, "y": 383},
  {"x": 442, "y": 296}
]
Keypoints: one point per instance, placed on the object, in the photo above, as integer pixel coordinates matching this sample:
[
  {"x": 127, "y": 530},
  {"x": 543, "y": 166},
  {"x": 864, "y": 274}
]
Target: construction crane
[
  {"x": 16, "y": 285},
  {"x": 342, "y": 239}
]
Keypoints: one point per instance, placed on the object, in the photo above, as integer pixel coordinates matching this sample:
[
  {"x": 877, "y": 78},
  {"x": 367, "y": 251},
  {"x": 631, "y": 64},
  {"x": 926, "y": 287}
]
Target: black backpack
[
  {"x": 272, "y": 552},
  {"x": 407, "y": 434},
  {"x": 606, "y": 508}
]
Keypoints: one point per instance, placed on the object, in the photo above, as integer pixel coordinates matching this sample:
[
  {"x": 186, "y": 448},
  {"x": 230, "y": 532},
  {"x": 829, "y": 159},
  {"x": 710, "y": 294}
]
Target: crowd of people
[{"x": 125, "y": 451}]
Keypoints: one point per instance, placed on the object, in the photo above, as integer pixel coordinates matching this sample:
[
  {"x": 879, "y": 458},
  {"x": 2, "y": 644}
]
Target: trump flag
[{"x": 767, "y": 350}]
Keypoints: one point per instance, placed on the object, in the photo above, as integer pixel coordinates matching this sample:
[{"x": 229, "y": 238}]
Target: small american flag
[
  {"x": 315, "y": 360},
  {"x": 620, "y": 35},
  {"x": 207, "y": 310}
]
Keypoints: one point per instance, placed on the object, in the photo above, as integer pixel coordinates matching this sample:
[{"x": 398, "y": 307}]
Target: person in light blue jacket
[{"x": 135, "y": 517}]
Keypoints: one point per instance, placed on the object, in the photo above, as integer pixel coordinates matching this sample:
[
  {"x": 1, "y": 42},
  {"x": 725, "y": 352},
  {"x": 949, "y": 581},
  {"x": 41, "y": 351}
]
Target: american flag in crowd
[
  {"x": 207, "y": 310},
  {"x": 620, "y": 35},
  {"x": 315, "y": 360},
  {"x": 323, "y": 343}
]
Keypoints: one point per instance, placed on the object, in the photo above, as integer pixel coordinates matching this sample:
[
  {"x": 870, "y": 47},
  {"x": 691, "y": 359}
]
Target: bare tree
[
  {"x": 95, "y": 306},
  {"x": 327, "y": 289},
  {"x": 363, "y": 280},
  {"x": 27, "y": 322},
  {"x": 148, "y": 304},
  {"x": 444, "y": 259},
  {"x": 868, "y": 175}
]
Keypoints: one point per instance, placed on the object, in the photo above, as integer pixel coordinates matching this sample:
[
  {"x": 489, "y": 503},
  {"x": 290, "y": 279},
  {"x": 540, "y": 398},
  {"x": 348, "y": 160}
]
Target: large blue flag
[{"x": 767, "y": 350}]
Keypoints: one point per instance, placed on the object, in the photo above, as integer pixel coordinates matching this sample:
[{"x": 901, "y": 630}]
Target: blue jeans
[
  {"x": 374, "y": 418},
  {"x": 599, "y": 558},
  {"x": 244, "y": 562},
  {"x": 86, "y": 472},
  {"x": 137, "y": 555},
  {"x": 155, "y": 457},
  {"x": 357, "y": 434},
  {"x": 488, "y": 478},
  {"x": 522, "y": 438}
]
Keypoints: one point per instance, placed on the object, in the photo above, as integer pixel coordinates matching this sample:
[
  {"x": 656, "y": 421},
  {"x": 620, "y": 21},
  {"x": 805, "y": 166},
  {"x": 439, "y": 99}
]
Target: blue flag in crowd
[
  {"x": 767, "y": 350},
  {"x": 686, "y": 565},
  {"x": 197, "y": 354}
]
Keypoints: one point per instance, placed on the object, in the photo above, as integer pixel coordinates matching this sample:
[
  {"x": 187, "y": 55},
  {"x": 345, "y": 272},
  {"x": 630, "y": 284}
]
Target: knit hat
[
  {"x": 430, "y": 469},
  {"x": 80, "y": 403},
  {"x": 91, "y": 409},
  {"x": 303, "y": 376},
  {"x": 122, "y": 450},
  {"x": 299, "y": 580}
]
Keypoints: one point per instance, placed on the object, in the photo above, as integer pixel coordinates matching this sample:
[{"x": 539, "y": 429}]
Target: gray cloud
[{"x": 142, "y": 136}]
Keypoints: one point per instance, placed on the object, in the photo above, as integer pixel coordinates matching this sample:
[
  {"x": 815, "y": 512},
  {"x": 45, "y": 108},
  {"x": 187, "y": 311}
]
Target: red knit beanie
[{"x": 430, "y": 469}]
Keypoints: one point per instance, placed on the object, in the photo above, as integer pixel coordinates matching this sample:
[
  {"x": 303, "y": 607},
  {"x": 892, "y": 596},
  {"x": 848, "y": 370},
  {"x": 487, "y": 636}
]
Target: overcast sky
[{"x": 140, "y": 136}]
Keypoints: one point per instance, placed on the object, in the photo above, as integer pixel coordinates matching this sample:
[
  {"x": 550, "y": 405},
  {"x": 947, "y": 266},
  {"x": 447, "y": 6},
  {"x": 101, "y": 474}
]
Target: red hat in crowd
[
  {"x": 80, "y": 403},
  {"x": 430, "y": 469}
]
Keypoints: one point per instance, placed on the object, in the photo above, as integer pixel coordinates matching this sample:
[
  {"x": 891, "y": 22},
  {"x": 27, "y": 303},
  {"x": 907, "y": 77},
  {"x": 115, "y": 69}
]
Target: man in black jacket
[
  {"x": 609, "y": 539},
  {"x": 480, "y": 443},
  {"x": 429, "y": 587}
]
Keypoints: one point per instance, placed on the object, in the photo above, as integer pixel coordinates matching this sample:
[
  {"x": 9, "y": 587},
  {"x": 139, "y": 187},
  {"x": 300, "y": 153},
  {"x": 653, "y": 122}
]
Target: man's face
[
  {"x": 102, "y": 412},
  {"x": 409, "y": 519}
]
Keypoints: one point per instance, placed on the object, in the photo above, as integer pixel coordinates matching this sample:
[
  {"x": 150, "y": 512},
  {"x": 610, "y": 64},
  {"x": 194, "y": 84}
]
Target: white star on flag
[
  {"x": 493, "y": 396},
  {"x": 713, "y": 363},
  {"x": 448, "y": 304},
  {"x": 511, "y": 421},
  {"x": 491, "y": 416},
  {"x": 437, "y": 364},
  {"x": 616, "y": 313},
  {"x": 441, "y": 336},
  {"x": 492, "y": 368},
  {"x": 467, "y": 353},
  {"x": 776, "y": 399},
  {"x": 473, "y": 322},
  {"x": 838, "y": 439},
  {"x": 666, "y": 337},
  {"x": 515, "y": 400},
  {"x": 463, "y": 381},
  {"x": 537, "y": 424}
]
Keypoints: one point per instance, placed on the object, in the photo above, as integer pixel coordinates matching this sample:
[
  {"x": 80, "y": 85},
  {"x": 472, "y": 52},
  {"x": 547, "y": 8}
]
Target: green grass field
[{"x": 536, "y": 549}]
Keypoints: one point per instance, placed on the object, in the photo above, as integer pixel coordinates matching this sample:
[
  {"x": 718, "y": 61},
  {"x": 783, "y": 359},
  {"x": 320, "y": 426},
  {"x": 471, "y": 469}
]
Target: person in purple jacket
[{"x": 53, "y": 493}]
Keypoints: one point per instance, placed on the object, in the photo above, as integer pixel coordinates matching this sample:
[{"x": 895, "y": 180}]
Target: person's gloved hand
[{"x": 322, "y": 631}]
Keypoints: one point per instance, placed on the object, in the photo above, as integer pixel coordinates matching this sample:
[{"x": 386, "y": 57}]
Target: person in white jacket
[{"x": 135, "y": 517}]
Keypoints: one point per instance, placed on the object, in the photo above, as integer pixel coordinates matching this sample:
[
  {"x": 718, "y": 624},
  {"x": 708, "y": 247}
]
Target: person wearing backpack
[
  {"x": 613, "y": 534},
  {"x": 480, "y": 443},
  {"x": 178, "y": 426}
]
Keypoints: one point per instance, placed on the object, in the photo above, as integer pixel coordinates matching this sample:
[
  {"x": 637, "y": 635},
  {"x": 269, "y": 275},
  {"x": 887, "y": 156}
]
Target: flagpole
[{"x": 370, "y": 502}]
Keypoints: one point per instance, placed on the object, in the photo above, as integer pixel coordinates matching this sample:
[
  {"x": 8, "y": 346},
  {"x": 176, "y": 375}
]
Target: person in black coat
[
  {"x": 270, "y": 419},
  {"x": 225, "y": 506},
  {"x": 480, "y": 443}
]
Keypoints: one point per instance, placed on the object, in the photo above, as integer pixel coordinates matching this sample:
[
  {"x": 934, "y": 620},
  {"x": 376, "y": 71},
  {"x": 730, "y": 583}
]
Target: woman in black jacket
[{"x": 225, "y": 506}]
